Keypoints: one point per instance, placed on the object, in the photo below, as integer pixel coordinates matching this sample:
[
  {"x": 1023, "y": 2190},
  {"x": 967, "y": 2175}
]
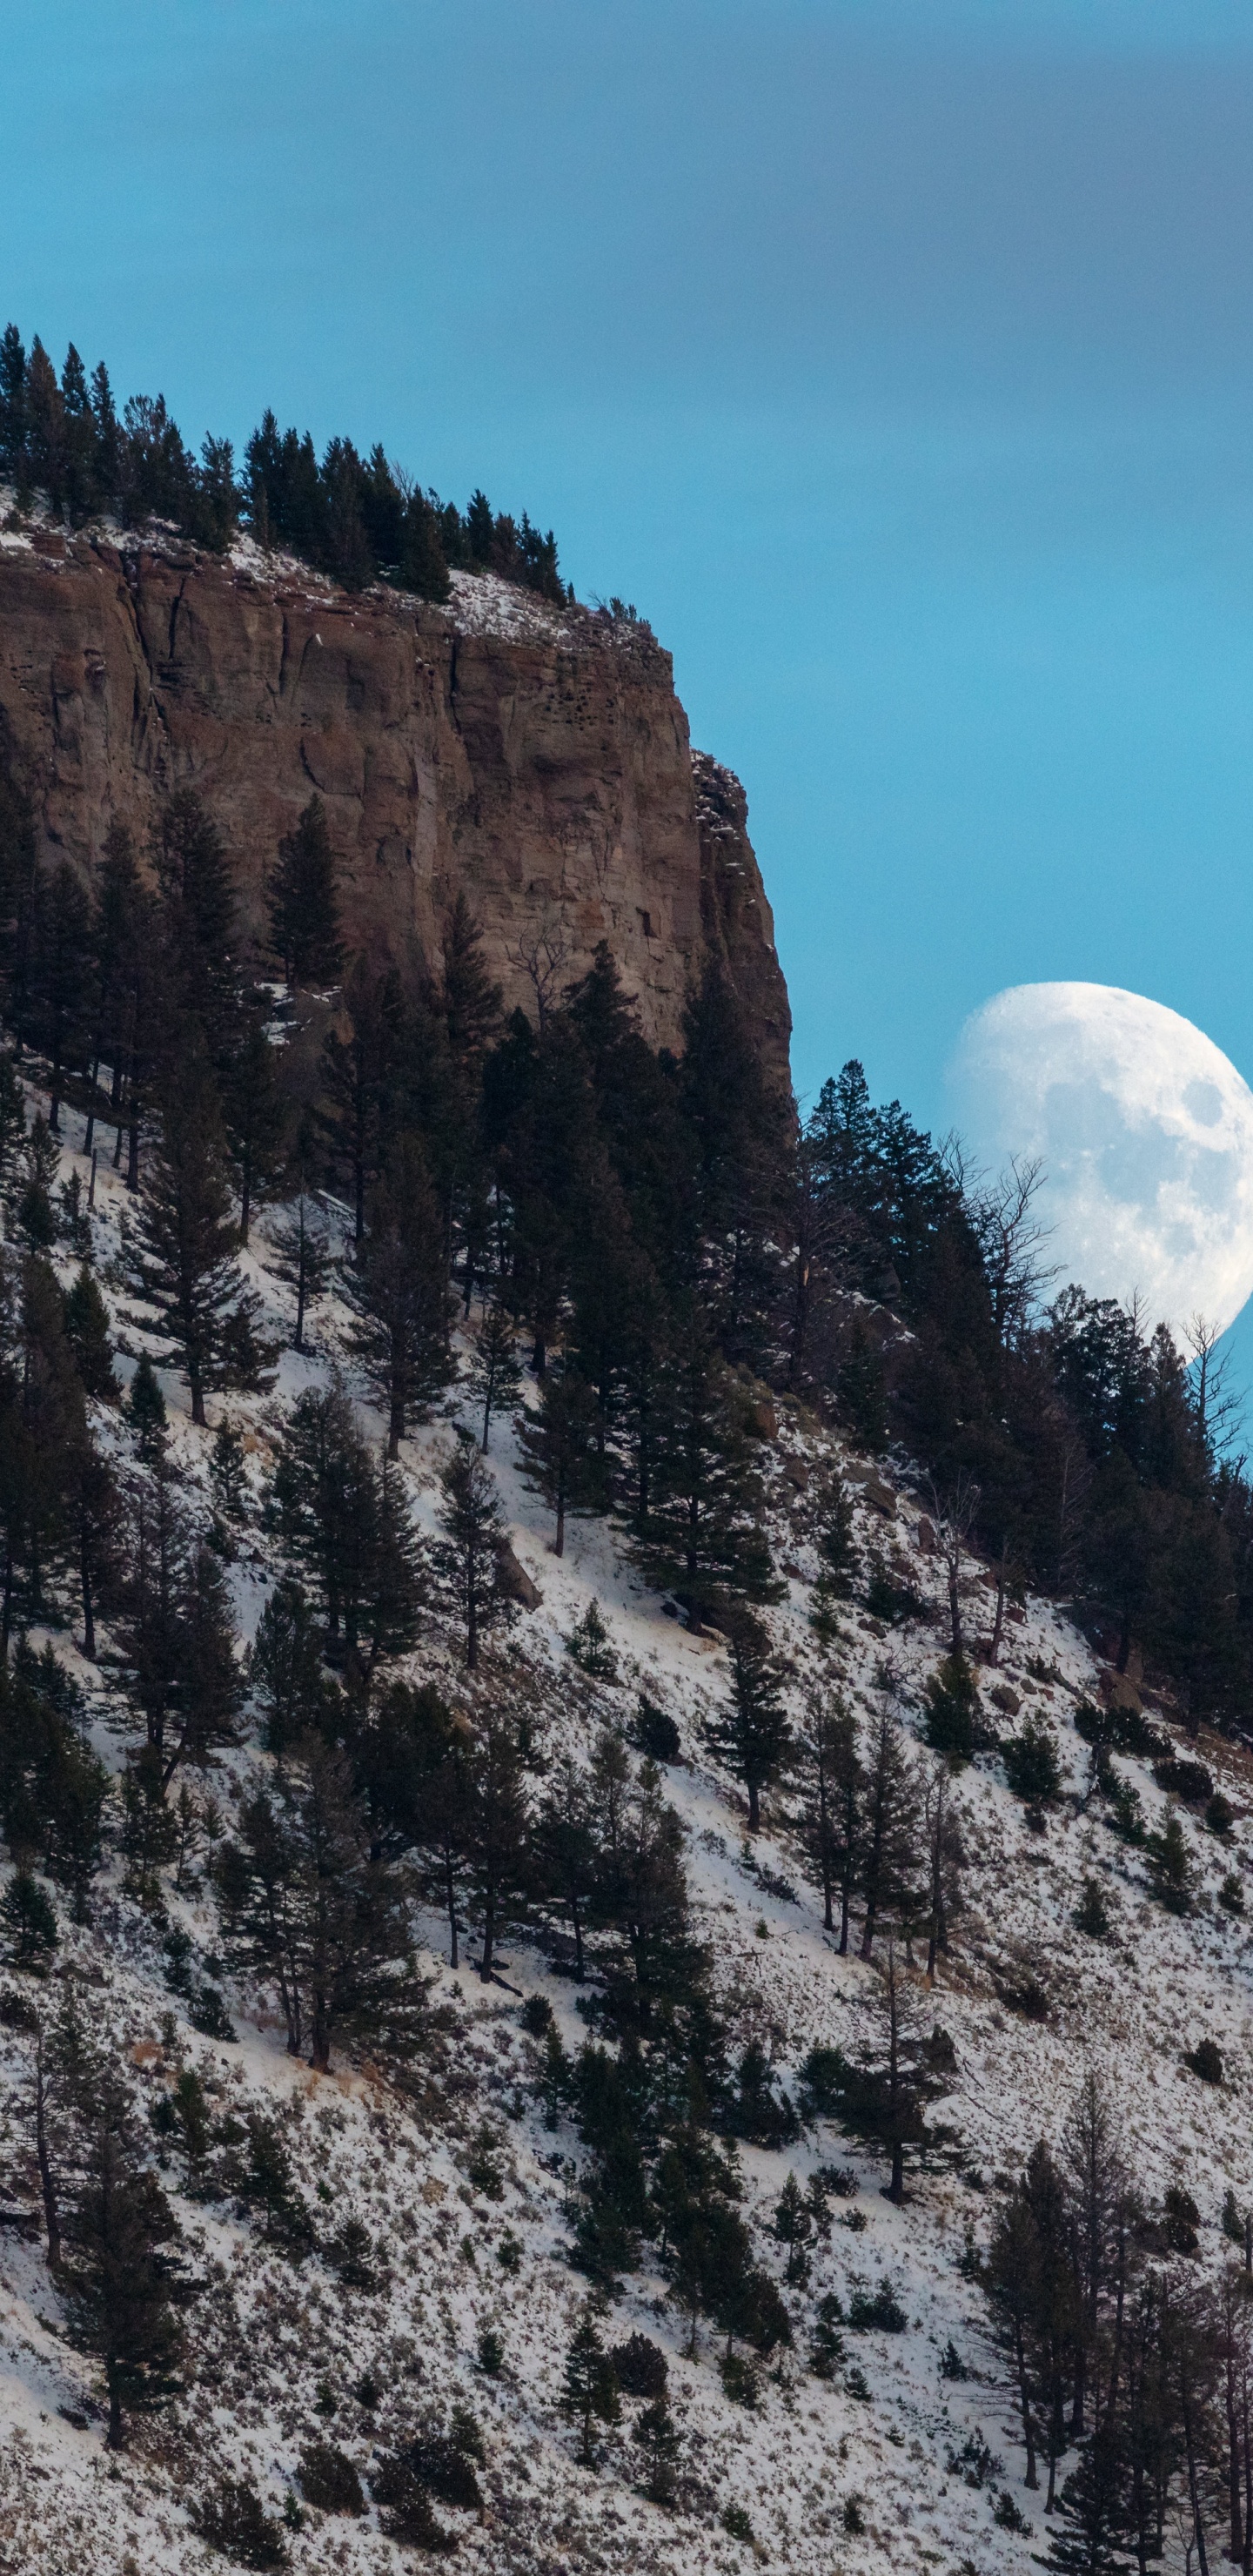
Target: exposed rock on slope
[{"x": 536, "y": 757}]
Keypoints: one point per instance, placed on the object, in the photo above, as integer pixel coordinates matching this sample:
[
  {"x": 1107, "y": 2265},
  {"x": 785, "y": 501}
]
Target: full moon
[{"x": 1144, "y": 1131}]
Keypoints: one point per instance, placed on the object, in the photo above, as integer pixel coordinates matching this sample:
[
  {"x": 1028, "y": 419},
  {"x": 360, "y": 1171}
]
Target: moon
[{"x": 1144, "y": 1130}]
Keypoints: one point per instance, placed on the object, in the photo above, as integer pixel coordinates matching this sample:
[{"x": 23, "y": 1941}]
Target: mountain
[{"x": 530, "y": 755}]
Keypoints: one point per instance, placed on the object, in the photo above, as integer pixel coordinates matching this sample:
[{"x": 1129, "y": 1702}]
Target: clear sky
[{"x": 895, "y": 358}]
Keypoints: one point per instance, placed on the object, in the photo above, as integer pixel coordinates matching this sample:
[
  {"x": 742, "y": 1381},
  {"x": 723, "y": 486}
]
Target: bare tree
[
  {"x": 1011, "y": 1240},
  {"x": 543, "y": 953},
  {"x": 954, "y": 1515},
  {"x": 1214, "y": 1399}
]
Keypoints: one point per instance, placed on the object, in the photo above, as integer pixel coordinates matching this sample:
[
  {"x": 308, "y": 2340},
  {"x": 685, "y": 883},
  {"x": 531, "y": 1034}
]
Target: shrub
[
  {"x": 30, "y": 1924},
  {"x": 407, "y": 2514},
  {"x": 951, "y": 2364},
  {"x": 639, "y": 2366},
  {"x": 1171, "y": 1868},
  {"x": 483, "y": 2170},
  {"x": 857, "y": 2385},
  {"x": 537, "y": 2016},
  {"x": 654, "y": 1732},
  {"x": 1231, "y": 1894},
  {"x": 974, "y": 2463},
  {"x": 1220, "y": 1815},
  {"x": 509, "y": 2252},
  {"x": 821, "y": 2076},
  {"x": 589, "y": 1643},
  {"x": 890, "y": 1601},
  {"x": 951, "y": 1723},
  {"x": 741, "y": 2379},
  {"x": 827, "y": 2348},
  {"x": 351, "y": 2257},
  {"x": 736, "y": 2522},
  {"x": 491, "y": 2352},
  {"x": 853, "y": 2518},
  {"x": 235, "y": 2521},
  {"x": 329, "y": 2480},
  {"x": 1206, "y": 2061},
  {"x": 1007, "y": 2515},
  {"x": 1180, "y": 2220},
  {"x": 1187, "y": 1780},
  {"x": 1090, "y": 1913},
  {"x": 878, "y": 2310},
  {"x": 1031, "y": 1763}
]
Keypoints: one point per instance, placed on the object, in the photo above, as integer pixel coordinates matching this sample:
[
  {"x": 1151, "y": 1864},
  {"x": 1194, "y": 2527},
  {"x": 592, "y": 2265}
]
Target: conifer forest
[{"x": 626, "y": 1746}]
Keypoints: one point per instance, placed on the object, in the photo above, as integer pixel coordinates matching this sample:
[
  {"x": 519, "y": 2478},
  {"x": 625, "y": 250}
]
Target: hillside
[{"x": 459, "y": 2175}]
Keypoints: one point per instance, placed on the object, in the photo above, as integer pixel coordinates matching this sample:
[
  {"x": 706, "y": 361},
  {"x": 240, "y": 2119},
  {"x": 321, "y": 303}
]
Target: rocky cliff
[{"x": 536, "y": 757}]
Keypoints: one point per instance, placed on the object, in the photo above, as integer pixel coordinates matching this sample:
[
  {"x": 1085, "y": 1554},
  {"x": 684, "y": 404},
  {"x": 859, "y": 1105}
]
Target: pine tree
[
  {"x": 295, "y": 1695},
  {"x": 945, "y": 1862},
  {"x": 494, "y": 1372},
  {"x": 117, "y": 2278},
  {"x": 360, "y": 1075},
  {"x": 589, "y": 2390},
  {"x": 952, "y": 1711},
  {"x": 36, "y": 1221},
  {"x": 12, "y": 1127},
  {"x": 398, "y": 1290},
  {"x": 703, "y": 1536},
  {"x": 560, "y": 1459},
  {"x": 199, "y": 925},
  {"x": 30, "y": 1924},
  {"x": 886, "y": 2102},
  {"x": 145, "y": 1406},
  {"x": 564, "y": 1849},
  {"x": 255, "y": 1116},
  {"x": 657, "y": 2438},
  {"x": 303, "y": 1261},
  {"x": 182, "y": 1255},
  {"x": 347, "y": 1527},
  {"x": 87, "y": 1331},
  {"x": 228, "y": 1475},
  {"x": 828, "y": 1774},
  {"x": 497, "y": 1824},
  {"x": 889, "y": 1828},
  {"x": 755, "y": 1733},
  {"x": 304, "y": 912},
  {"x": 470, "y": 1518},
  {"x": 60, "y": 986}
]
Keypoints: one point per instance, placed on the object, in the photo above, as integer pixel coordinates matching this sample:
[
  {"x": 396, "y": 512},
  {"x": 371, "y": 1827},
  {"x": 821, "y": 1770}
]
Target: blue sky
[{"x": 896, "y": 359}]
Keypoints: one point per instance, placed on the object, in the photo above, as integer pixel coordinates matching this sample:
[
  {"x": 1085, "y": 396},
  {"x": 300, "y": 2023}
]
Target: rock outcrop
[{"x": 535, "y": 756}]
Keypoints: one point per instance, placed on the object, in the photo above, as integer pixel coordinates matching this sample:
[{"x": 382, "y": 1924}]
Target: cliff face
[{"x": 536, "y": 757}]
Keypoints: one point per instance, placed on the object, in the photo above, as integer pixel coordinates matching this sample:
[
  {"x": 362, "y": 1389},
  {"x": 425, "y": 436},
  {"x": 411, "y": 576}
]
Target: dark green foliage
[
  {"x": 117, "y": 2278},
  {"x": 657, "y": 2437},
  {"x": 494, "y": 1372},
  {"x": 1231, "y": 1894},
  {"x": 399, "y": 1292},
  {"x": 304, "y": 913},
  {"x": 29, "y": 1924},
  {"x": 826, "y": 2350},
  {"x": 87, "y": 1332},
  {"x": 490, "y": 2353},
  {"x": 589, "y": 2389},
  {"x": 329, "y": 2480},
  {"x": 654, "y": 1732},
  {"x": 53, "y": 1787},
  {"x": 1180, "y": 2220},
  {"x": 754, "y": 1735},
  {"x": 1171, "y": 1867},
  {"x": 182, "y": 1253},
  {"x": 1206, "y": 2061},
  {"x": 145, "y": 1406},
  {"x": 885, "y": 2098},
  {"x": 756, "y": 2109},
  {"x": 234, "y": 2521},
  {"x": 561, "y": 1459},
  {"x": 589, "y": 1643},
  {"x": 293, "y": 1691},
  {"x": 736, "y": 2523},
  {"x": 1091, "y": 1912},
  {"x": 1220, "y": 1815},
  {"x": 407, "y": 2514},
  {"x": 953, "y": 1714},
  {"x": 346, "y": 1526},
  {"x": 639, "y": 2366},
  {"x": 302, "y": 1260},
  {"x": 1187, "y": 1780},
  {"x": 1032, "y": 1766},
  {"x": 878, "y": 2311},
  {"x": 473, "y": 1527}
]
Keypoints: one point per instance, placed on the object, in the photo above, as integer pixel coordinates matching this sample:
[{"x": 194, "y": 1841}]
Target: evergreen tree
[
  {"x": 182, "y": 1254},
  {"x": 589, "y": 2390},
  {"x": 346, "y": 1526},
  {"x": 828, "y": 1774},
  {"x": 470, "y": 1518},
  {"x": 118, "y": 2274},
  {"x": 564, "y": 1848},
  {"x": 890, "y": 1826},
  {"x": 60, "y": 979},
  {"x": 755, "y": 1733},
  {"x": 199, "y": 922},
  {"x": 398, "y": 1291},
  {"x": 12, "y": 1128},
  {"x": 703, "y": 1536},
  {"x": 361, "y": 1072},
  {"x": 560, "y": 1460},
  {"x": 254, "y": 1115},
  {"x": 658, "y": 2439},
  {"x": 293, "y": 1692},
  {"x": 886, "y": 2102},
  {"x": 87, "y": 1332},
  {"x": 304, "y": 912},
  {"x": 953, "y": 1713},
  {"x": 303, "y": 1261},
  {"x": 36, "y": 1221},
  {"x": 497, "y": 1824},
  {"x": 494, "y": 1372},
  {"x": 945, "y": 1862},
  {"x": 145, "y": 1406},
  {"x": 30, "y": 1924}
]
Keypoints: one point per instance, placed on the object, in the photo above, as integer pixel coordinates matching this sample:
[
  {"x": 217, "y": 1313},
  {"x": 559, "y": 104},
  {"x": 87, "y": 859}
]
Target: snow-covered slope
[{"x": 280, "y": 2351}]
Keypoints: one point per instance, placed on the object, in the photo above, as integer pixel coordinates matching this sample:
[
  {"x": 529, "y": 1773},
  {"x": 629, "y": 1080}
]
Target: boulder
[
  {"x": 514, "y": 1582},
  {"x": 1005, "y": 1699},
  {"x": 925, "y": 1535},
  {"x": 796, "y": 1472},
  {"x": 1119, "y": 1691}
]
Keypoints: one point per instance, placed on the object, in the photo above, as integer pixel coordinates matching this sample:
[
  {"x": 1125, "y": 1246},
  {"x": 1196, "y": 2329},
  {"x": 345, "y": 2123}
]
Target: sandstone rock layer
[{"x": 536, "y": 757}]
